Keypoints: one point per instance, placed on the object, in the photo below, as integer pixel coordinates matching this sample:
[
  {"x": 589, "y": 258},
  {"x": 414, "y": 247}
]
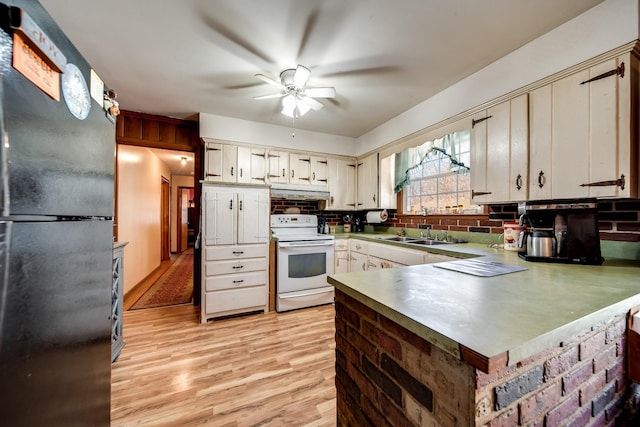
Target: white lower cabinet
[
  {"x": 358, "y": 255},
  {"x": 341, "y": 256},
  {"x": 235, "y": 280},
  {"x": 235, "y": 250},
  {"x": 365, "y": 256}
]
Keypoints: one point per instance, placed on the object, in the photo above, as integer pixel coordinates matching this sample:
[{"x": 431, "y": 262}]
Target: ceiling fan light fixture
[{"x": 289, "y": 105}]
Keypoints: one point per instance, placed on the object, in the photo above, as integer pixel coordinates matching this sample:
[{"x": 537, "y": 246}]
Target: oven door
[{"x": 303, "y": 267}]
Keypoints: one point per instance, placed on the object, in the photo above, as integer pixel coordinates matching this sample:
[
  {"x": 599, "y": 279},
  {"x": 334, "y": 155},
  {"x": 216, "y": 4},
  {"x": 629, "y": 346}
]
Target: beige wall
[
  {"x": 140, "y": 174},
  {"x": 177, "y": 181}
]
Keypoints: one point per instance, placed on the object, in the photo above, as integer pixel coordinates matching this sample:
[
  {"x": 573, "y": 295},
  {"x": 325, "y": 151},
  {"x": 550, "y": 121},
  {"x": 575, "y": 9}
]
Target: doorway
[
  {"x": 165, "y": 238},
  {"x": 186, "y": 219}
]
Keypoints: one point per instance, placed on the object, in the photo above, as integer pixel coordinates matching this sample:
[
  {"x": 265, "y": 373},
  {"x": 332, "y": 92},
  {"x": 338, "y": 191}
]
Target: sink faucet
[
  {"x": 444, "y": 236},
  {"x": 429, "y": 233}
]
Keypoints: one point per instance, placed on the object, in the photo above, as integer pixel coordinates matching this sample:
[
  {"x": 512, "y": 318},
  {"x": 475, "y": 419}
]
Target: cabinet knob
[{"x": 232, "y": 171}]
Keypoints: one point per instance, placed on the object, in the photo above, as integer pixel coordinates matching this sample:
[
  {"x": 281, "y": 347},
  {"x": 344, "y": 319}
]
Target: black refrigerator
[{"x": 56, "y": 229}]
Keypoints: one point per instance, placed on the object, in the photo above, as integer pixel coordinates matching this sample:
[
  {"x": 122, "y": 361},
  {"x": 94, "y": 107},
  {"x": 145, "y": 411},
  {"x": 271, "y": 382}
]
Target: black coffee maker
[{"x": 573, "y": 225}]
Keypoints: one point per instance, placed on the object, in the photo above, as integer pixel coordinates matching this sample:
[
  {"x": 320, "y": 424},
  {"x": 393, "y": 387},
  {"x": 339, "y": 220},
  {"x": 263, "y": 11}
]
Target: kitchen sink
[
  {"x": 419, "y": 241},
  {"x": 428, "y": 242},
  {"x": 405, "y": 239}
]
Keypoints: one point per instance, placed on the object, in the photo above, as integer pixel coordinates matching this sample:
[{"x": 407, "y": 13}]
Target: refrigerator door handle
[{"x": 4, "y": 167}]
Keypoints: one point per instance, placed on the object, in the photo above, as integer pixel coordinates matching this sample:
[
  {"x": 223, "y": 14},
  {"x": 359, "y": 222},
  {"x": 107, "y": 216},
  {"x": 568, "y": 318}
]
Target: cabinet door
[
  {"x": 213, "y": 162},
  {"x": 229, "y": 163},
  {"x": 519, "y": 149},
  {"x": 357, "y": 262},
  {"x": 606, "y": 138},
  {"x": 341, "y": 262},
  {"x": 342, "y": 184},
  {"x": 540, "y": 173},
  {"x": 570, "y": 136},
  {"x": 499, "y": 162},
  {"x": 367, "y": 182},
  {"x": 251, "y": 165},
  {"x": 253, "y": 216},
  {"x": 300, "y": 168},
  {"x": 319, "y": 171},
  {"x": 278, "y": 166},
  {"x": 219, "y": 216},
  {"x": 388, "y": 198}
]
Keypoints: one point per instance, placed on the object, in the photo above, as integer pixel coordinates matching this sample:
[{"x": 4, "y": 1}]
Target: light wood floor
[{"x": 273, "y": 369}]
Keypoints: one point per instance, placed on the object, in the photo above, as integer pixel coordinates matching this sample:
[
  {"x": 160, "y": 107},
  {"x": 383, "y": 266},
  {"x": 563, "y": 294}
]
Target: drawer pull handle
[
  {"x": 238, "y": 281},
  {"x": 518, "y": 182},
  {"x": 236, "y": 267},
  {"x": 541, "y": 179},
  {"x": 237, "y": 252}
]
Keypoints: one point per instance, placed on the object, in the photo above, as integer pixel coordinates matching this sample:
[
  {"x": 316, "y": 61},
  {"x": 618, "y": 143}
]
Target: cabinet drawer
[
  {"x": 358, "y": 245},
  {"x": 396, "y": 255},
  {"x": 431, "y": 258},
  {"x": 341, "y": 245},
  {"x": 236, "y": 251},
  {"x": 212, "y": 268},
  {"x": 235, "y": 281},
  {"x": 236, "y": 299}
]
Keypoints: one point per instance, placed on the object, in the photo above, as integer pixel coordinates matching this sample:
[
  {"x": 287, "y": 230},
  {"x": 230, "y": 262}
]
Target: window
[{"x": 439, "y": 181}]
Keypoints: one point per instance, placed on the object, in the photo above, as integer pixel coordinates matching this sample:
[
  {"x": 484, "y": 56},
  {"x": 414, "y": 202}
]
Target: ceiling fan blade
[
  {"x": 273, "y": 95},
  {"x": 320, "y": 92},
  {"x": 301, "y": 76},
  {"x": 315, "y": 105},
  {"x": 269, "y": 80}
]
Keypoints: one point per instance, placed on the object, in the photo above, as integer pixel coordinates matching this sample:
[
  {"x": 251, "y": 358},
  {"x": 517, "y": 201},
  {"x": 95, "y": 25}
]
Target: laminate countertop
[{"x": 501, "y": 319}]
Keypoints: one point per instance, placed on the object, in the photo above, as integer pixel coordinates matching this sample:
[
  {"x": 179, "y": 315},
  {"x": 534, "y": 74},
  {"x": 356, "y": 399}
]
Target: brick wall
[
  {"x": 618, "y": 220},
  {"x": 388, "y": 376}
]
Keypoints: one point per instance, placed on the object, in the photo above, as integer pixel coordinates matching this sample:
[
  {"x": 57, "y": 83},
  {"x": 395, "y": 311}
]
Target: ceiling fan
[{"x": 297, "y": 98}]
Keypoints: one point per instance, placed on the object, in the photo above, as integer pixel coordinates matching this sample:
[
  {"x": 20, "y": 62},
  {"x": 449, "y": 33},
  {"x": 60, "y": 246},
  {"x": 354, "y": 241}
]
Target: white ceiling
[{"x": 180, "y": 57}]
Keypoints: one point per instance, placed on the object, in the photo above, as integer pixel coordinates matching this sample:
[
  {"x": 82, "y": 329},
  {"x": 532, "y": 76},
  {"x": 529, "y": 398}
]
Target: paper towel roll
[{"x": 377, "y": 217}]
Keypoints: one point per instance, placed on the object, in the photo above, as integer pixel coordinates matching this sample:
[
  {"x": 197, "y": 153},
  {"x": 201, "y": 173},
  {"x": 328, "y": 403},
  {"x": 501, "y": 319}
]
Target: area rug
[{"x": 174, "y": 287}]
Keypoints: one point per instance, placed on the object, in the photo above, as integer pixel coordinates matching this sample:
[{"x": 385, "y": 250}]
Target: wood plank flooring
[{"x": 272, "y": 369}]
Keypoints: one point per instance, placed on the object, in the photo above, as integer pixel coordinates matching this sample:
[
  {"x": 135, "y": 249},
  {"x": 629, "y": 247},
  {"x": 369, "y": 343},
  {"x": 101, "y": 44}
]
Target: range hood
[{"x": 299, "y": 192}]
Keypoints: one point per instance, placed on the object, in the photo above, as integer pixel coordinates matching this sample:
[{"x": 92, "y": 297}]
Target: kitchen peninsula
[{"x": 424, "y": 345}]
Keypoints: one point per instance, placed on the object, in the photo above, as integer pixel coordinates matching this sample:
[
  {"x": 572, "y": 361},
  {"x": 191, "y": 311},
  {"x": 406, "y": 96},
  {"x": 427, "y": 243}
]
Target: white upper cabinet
[
  {"x": 583, "y": 134},
  {"x": 307, "y": 169},
  {"x": 319, "y": 171},
  {"x": 388, "y": 199},
  {"x": 220, "y": 162},
  {"x": 499, "y": 152},
  {"x": 278, "y": 166},
  {"x": 235, "y": 216},
  {"x": 299, "y": 168},
  {"x": 251, "y": 165},
  {"x": 342, "y": 184},
  {"x": 367, "y": 182}
]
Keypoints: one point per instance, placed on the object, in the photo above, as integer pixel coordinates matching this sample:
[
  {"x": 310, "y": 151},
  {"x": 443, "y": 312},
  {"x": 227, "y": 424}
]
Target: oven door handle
[
  {"x": 323, "y": 291},
  {"x": 305, "y": 244}
]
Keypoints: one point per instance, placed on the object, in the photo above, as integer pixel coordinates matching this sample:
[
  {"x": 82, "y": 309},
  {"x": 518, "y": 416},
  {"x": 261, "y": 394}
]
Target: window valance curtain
[{"x": 414, "y": 156}]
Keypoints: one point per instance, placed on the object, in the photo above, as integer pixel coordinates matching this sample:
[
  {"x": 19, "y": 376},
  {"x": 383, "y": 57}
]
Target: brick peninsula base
[{"x": 388, "y": 376}]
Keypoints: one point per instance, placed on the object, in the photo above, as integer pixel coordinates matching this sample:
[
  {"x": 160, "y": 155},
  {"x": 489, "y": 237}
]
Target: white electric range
[{"x": 304, "y": 259}]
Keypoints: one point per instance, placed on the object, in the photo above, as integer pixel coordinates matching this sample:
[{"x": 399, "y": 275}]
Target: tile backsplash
[{"x": 619, "y": 220}]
